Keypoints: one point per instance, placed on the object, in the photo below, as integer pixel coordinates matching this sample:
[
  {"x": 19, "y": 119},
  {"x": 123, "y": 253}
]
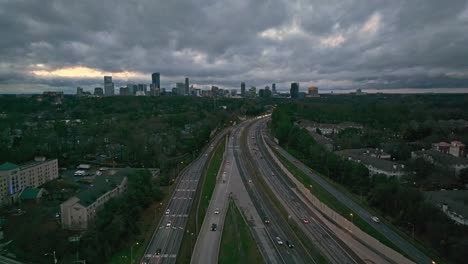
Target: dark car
[
  {"x": 289, "y": 244},
  {"x": 158, "y": 251},
  {"x": 213, "y": 227}
]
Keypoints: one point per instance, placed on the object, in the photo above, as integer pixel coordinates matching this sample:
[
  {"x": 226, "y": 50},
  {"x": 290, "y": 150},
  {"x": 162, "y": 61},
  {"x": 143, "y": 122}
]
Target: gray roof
[
  {"x": 443, "y": 158},
  {"x": 454, "y": 199},
  {"x": 101, "y": 185},
  {"x": 360, "y": 154}
]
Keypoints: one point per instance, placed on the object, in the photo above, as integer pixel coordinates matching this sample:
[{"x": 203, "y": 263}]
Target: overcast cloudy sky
[{"x": 333, "y": 44}]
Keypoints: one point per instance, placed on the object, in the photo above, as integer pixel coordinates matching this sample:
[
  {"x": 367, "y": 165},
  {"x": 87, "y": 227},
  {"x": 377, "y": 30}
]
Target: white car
[
  {"x": 279, "y": 241},
  {"x": 168, "y": 211},
  {"x": 216, "y": 211},
  {"x": 169, "y": 224},
  {"x": 375, "y": 219}
]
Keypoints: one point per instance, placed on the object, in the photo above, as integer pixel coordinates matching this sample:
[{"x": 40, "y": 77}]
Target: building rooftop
[
  {"x": 8, "y": 166},
  {"x": 443, "y": 158},
  {"x": 30, "y": 193},
  {"x": 367, "y": 159},
  {"x": 101, "y": 185}
]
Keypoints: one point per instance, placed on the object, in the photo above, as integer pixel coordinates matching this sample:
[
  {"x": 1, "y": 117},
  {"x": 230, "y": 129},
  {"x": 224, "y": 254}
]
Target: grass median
[
  {"x": 208, "y": 180},
  {"x": 237, "y": 243}
]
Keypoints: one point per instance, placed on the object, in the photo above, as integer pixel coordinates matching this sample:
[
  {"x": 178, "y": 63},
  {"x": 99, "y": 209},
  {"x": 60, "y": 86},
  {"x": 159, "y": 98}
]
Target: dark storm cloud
[{"x": 332, "y": 44}]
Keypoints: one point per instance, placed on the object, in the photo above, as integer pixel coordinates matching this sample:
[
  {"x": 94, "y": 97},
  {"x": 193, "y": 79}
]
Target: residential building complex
[
  {"x": 14, "y": 178},
  {"x": 78, "y": 211},
  {"x": 375, "y": 161}
]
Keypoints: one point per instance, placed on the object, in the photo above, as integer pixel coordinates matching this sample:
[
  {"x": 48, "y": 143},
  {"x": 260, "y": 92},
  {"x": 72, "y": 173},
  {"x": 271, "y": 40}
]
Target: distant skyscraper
[
  {"x": 253, "y": 91},
  {"x": 294, "y": 90},
  {"x": 124, "y": 91},
  {"x": 155, "y": 79},
  {"x": 273, "y": 88},
  {"x": 79, "y": 91},
  {"x": 180, "y": 88},
  {"x": 98, "y": 91},
  {"x": 233, "y": 92},
  {"x": 142, "y": 88},
  {"x": 312, "y": 91},
  {"x": 187, "y": 87},
  {"x": 108, "y": 86},
  {"x": 214, "y": 91},
  {"x": 243, "y": 89}
]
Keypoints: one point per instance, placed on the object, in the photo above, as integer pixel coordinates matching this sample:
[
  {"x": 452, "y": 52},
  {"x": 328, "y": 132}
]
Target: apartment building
[
  {"x": 15, "y": 178},
  {"x": 79, "y": 211}
]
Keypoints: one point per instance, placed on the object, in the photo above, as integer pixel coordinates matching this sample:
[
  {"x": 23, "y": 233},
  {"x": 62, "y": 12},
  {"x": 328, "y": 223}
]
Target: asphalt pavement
[
  {"x": 167, "y": 238},
  {"x": 326, "y": 241},
  {"x": 401, "y": 243}
]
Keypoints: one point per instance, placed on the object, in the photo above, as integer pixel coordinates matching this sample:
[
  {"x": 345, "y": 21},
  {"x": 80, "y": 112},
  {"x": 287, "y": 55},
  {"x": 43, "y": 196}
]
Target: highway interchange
[{"x": 247, "y": 171}]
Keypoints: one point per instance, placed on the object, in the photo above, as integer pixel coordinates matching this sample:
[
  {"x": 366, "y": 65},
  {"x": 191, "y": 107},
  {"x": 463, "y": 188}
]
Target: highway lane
[
  {"x": 208, "y": 242},
  {"x": 330, "y": 245},
  {"x": 167, "y": 238},
  {"x": 278, "y": 226},
  {"x": 396, "y": 239}
]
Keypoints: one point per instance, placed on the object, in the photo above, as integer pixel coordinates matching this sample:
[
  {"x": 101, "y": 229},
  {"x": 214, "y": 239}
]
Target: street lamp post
[
  {"x": 53, "y": 254},
  {"x": 131, "y": 252}
]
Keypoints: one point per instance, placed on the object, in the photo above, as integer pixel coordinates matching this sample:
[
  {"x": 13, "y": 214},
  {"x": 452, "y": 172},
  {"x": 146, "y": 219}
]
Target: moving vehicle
[
  {"x": 305, "y": 220},
  {"x": 213, "y": 227},
  {"x": 375, "y": 219},
  {"x": 216, "y": 211},
  {"x": 168, "y": 211},
  {"x": 158, "y": 251},
  {"x": 267, "y": 221},
  {"x": 279, "y": 241},
  {"x": 289, "y": 244},
  {"x": 169, "y": 224}
]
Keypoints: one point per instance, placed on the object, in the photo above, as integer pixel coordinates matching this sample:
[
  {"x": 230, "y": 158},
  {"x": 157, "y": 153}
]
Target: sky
[{"x": 333, "y": 44}]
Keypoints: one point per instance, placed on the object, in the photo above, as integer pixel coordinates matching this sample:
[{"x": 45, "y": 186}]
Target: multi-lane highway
[
  {"x": 209, "y": 239},
  {"x": 401, "y": 243},
  {"x": 278, "y": 226},
  {"x": 324, "y": 239},
  {"x": 167, "y": 238}
]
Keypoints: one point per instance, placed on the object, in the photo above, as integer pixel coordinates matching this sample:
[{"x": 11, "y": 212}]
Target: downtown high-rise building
[
  {"x": 187, "y": 86},
  {"x": 180, "y": 88},
  {"x": 242, "y": 89},
  {"x": 273, "y": 88},
  {"x": 156, "y": 79},
  {"x": 98, "y": 91},
  {"x": 108, "y": 86},
  {"x": 294, "y": 90}
]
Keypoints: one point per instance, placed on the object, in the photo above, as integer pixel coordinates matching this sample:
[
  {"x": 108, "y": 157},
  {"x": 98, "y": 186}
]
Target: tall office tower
[
  {"x": 187, "y": 87},
  {"x": 108, "y": 86},
  {"x": 79, "y": 91},
  {"x": 242, "y": 89},
  {"x": 180, "y": 88},
  {"x": 294, "y": 90},
  {"x": 156, "y": 79},
  {"x": 214, "y": 91},
  {"x": 98, "y": 91},
  {"x": 124, "y": 91},
  {"x": 142, "y": 88},
  {"x": 252, "y": 92},
  {"x": 273, "y": 88}
]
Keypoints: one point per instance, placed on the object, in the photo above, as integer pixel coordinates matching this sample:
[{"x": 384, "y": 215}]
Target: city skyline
[{"x": 331, "y": 45}]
